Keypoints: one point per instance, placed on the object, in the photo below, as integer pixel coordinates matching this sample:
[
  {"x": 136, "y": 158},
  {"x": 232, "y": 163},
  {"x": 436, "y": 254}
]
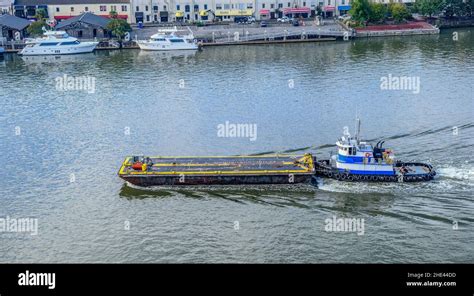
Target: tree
[
  {"x": 429, "y": 7},
  {"x": 360, "y": 10},
  {"x": 467, "y": 8},
  {"x": 118, "y": 27},
  {"x": 399, "y": 12},
  {"x": 378, "y": 12},
  {"x": 452, "y": 8},
  {"x": 36, "y": 28}
]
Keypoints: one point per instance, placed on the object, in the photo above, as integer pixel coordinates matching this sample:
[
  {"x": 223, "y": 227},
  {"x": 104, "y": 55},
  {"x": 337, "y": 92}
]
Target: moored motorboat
[
  {"x": 57, "y": 43},
  {"x": 358, "y": 160},
  {"x": 168, "y": 40}
]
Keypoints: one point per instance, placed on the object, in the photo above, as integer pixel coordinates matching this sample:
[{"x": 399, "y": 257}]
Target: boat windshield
[{"x": 70, "y": 43}]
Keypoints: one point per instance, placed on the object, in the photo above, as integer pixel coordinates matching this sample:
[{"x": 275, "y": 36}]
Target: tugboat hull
[{"x": 415, "y": 172}]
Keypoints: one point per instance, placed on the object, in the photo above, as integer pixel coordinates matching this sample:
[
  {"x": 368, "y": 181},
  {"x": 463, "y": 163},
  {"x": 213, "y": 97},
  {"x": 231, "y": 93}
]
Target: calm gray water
[{"x": 299, "y": 95}]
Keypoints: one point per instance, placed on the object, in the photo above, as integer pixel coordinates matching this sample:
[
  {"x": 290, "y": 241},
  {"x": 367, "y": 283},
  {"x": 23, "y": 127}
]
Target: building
[
  {"x": 58, "y": 10},
  {"x": 86, "y": 25},
  {"x": 6, "y": 6},
  {"x": 151, "y": 11},
  {"x": 12, "y": 27},
  {"x": 195, "y": 10}
]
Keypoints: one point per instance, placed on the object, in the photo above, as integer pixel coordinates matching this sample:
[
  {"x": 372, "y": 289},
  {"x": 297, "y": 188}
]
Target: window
[
  {"x": 289, "y": 4},
  {"x": 226, "y": 6},
  {"x": 86, "y": 8},
  {"x": 218, "y": 6},
  {"x": 124, "y": 7},
  {"x": 155, "y": 8},
  {"x": 304, "y": 4},
  {"x": 196, "y": 8},
  {"x": 249, "y": 5},
  {"x": 72, "y": 9},
  {"x": 280, "y": 5},
  {"x": 187, "y": 8},
  {"x": 164, "y": 7},
  {"x": 57, "y": 9},
  {"x": 148, "y": 18},
  {"x": 272, "y": 6},
  {"x": 329, "y": 2},
  {"x": 103, "y": 8},
  {"x": 49, "y": 44},
  {"x": 263, "y": 5},
  {"x": 146, "y": 7},
  {"x": 176, "y": 40},
  {"x": 70, "y": 43},
  {"x": 137, "y": 8},
  {"x": 205, "y": 6},
  {"x": 177, "y": 7},
  {"x": 113, "y": 8}
]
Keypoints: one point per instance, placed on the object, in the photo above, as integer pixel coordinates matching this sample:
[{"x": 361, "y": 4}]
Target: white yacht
[
  {"x": 166, "y": 39},
  {"x": 56, "y": 43}
]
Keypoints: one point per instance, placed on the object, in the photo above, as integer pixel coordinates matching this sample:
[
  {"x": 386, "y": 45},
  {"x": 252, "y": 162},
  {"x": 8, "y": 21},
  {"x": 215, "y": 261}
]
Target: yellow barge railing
[{"x": 305, "y": 162}]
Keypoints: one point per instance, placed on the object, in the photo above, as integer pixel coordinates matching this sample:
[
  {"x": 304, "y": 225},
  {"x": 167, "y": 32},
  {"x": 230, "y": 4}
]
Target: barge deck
[{"x": 218, "y": 170}]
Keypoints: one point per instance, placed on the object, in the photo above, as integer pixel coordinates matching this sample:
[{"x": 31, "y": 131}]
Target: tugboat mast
[{"x": 357, "y": 135}]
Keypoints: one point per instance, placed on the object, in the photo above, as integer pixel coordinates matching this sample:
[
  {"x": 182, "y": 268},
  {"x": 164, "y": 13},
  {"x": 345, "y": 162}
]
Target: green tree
[
  {"x": 36, "y": 28},
  {"x": 378, "y": 11},
  {"x": 360, "y": 10},
  {"x": 452, "y": 7},
  {"x": 40, "y": 14},
  {"x": 429, "y": 7},
  {"x": 118, "y": 27},
  {"x": 399, "y": 12},
  {"x": 467, "y": 8}
]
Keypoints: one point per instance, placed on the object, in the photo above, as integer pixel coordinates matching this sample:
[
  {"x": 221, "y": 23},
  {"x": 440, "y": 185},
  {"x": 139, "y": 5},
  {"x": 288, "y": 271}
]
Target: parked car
[
  {"x": 344, "y": 17},
  {"x": 295, "y": 23},
  {"x": 284, "y": 19},
  {"x": 263, "y": 24},
  {"x": 251, "y": 20}
]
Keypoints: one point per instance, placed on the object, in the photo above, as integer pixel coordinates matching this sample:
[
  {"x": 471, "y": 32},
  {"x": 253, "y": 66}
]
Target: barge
[{"x": 217, "y": 170}]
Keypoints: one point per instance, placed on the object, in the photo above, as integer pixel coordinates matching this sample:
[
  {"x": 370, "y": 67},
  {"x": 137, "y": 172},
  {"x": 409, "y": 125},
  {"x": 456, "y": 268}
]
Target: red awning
[
  {"x": 63, "y": 17},
  {"x": 264, "y": 11},
  {"x": 329, "y": 8},
  {"x": 297, "y": 10}
]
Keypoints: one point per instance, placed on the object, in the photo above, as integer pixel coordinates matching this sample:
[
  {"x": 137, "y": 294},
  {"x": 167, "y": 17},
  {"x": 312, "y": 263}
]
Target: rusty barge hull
[{"x": 220, "y": 170}]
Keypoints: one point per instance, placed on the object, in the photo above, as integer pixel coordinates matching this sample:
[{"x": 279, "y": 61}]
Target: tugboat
[{"x": 359, "y": 161}]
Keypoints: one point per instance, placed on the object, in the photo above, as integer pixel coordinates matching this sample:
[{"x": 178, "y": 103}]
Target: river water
[{"x": 61, "y": 151}]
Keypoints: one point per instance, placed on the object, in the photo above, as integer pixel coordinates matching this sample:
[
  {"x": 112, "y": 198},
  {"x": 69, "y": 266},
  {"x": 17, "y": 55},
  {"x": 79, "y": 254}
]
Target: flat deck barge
[{"x": 218, "y": 170}]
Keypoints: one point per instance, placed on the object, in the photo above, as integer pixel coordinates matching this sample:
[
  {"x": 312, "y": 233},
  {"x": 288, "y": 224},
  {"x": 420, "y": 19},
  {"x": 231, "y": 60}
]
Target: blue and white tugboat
[{"x": 359, "y": 161}]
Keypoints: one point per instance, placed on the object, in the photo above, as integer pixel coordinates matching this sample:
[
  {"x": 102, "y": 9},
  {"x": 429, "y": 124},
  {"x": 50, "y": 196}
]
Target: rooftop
[
  {"x": 66, "y": 2},
  {"x": 13, "y": 22},
  {"x": 88, "y": 18}
]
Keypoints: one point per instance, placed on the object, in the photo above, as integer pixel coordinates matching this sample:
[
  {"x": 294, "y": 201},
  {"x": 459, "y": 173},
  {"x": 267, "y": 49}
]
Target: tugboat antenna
[{"x": 357, "y": 135}]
